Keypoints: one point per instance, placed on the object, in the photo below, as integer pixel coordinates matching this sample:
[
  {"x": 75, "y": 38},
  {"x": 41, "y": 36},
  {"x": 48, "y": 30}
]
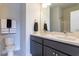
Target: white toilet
[
  {"x": 9, "y": 46},
  {"x": 6, "y": 46},
  {"x": 2, "y": 46}
]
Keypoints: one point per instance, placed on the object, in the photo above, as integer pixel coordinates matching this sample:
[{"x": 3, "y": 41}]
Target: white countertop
[{"x": 60, "y": 38}]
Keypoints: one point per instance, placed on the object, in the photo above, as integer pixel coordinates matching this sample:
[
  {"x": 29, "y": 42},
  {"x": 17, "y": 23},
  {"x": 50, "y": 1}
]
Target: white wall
[
  {"x": 32, "y": 12},
  {"x": 22, "y": 51}
]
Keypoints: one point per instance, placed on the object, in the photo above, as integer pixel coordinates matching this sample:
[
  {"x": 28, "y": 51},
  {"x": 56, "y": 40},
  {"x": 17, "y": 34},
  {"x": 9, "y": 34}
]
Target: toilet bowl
[
  {"x": 9, "y": 46},
  {"x": 2, "y": 46}
]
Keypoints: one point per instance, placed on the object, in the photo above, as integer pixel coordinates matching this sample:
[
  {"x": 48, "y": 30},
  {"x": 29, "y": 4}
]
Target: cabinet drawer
[
  {"x": 51, "y": 52},
  {"x": 35, "y": 38},
  {"x": 67, "y": 48}
]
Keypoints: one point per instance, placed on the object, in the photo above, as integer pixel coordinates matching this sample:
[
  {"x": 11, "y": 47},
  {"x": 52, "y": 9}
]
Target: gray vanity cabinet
[
  {"x": 36, "y": 49},
  {"x": 64, "y": 48},
  {"x": 35, "y": 46},
  {"x": 44, "y": 47}
]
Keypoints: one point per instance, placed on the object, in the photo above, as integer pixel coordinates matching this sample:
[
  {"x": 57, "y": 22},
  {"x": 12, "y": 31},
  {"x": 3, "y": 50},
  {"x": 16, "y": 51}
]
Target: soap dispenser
[{"x": 35, "y": 25}]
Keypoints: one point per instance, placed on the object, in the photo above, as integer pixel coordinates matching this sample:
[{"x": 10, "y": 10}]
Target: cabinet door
[
  {"x": 51, "y": 52},
  {"x": 36, "y": 48}
]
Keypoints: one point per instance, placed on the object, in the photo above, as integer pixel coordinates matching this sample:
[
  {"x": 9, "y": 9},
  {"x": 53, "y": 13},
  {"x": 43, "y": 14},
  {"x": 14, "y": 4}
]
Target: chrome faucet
[{"x": 65, "y": 33}]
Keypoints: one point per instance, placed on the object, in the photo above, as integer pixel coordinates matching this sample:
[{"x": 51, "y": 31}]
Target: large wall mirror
[{"x": 61, "y": 17}]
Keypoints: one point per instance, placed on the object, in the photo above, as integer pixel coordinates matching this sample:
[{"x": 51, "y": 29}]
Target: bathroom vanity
[{"x": 43, "y": 45}]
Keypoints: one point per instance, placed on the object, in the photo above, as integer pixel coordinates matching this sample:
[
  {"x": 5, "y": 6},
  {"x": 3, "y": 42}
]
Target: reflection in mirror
[
  {"x": 45, "y": 16},
  {"x": 57, "y": 16},
  {"x": 74, "y": 21}
]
